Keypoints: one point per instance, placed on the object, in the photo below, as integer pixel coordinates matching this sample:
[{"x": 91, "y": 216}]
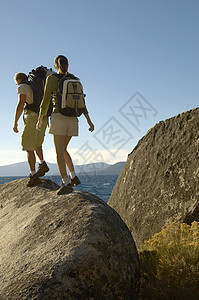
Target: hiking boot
[
  {"x": 42, "y": 169},
  {"x": 64, "y": 189},
  {"x": 75, "y": 181},
  {"x": 33, "y": 180}
]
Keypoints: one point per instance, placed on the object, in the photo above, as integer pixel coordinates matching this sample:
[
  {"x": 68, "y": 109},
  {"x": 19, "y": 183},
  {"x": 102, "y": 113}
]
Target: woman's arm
[
  {"x": 91, "y": 128},
  {"x": 19, "y": 111},
  {"x": 39, "y": 122},
  {"x": 48, "y": 89}
]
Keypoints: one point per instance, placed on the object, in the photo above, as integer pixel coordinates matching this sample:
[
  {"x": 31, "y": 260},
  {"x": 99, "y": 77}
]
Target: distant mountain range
[{"x": 22, "y": 169}]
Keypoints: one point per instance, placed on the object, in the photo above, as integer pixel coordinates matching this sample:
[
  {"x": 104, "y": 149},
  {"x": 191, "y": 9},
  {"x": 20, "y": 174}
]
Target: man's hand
[
  {"x": 19, "y": 111},
  {"x": 15, "y": 128}
]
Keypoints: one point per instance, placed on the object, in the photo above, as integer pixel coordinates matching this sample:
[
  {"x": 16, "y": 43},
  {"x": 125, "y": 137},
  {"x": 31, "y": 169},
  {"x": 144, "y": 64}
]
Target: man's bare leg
[
  {"x": 31, "y": 160},
  {"x": 33, "y": 180},
  {"x": 39, "y": 153},
  {"x": 42, "y": 168}
]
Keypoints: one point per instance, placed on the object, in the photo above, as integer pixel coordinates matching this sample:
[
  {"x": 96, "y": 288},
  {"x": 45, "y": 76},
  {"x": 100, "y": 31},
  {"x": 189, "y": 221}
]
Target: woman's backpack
[{"x": 70, "y": 96}]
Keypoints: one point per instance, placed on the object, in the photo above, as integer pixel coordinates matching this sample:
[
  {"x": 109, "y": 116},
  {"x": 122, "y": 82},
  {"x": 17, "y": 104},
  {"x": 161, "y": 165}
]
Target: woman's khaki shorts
[
  {"x": 63, "y": 125},
  {"x": 32, "y": 138}
]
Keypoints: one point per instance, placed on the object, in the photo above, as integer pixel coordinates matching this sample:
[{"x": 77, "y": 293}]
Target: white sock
[
  {"x": 32, "y": 173},
  {"x": 72, "y": 174},
  {"x": 65, "y": 181}
]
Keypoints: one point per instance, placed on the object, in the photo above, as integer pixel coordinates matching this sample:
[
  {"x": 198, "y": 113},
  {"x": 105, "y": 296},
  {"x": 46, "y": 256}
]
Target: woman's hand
[
  {"x": 90, "y": 123},
  {"x": 39, "y": 122},
  {"x": 91, "y": 128}
]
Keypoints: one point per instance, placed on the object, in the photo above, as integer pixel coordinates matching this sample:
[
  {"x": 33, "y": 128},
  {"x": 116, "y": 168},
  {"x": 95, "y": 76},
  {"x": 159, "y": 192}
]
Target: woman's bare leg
[
  {"x": 67, "y": 157},
  {"x": 59, "y": 143}
]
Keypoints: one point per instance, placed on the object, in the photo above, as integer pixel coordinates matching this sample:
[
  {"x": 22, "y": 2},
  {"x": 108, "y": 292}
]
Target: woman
[{"x": 62, "y": 127}]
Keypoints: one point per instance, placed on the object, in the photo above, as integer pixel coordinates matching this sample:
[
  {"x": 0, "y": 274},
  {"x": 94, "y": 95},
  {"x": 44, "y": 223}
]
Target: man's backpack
[
  {"x": 70, "y": 96},
  {"x": 37, "y": 79}
]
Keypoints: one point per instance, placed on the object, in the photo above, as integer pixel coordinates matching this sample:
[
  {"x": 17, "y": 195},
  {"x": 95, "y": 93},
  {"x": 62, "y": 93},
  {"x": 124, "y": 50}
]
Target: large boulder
[
  {"x": 63, "y": 247},
  {"x": 160, "y": 181}
]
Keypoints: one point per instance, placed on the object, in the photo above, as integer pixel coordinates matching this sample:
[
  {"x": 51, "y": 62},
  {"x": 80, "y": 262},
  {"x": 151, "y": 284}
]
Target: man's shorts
[
  {"x": 32, "y": 138},
  {"x": 63, "y": 125}
]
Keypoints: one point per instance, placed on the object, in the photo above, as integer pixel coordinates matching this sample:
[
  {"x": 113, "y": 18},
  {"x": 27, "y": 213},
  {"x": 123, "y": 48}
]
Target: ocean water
[{"x": 99, "y": 185}]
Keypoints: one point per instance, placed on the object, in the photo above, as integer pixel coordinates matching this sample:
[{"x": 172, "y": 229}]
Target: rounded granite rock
[
  {"x": 159, "y": 183},
  {"x": 63, "y": 247}
]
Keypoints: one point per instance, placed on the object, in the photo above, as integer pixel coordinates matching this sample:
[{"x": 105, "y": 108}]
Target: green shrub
[{"x": 169, "y": 264}]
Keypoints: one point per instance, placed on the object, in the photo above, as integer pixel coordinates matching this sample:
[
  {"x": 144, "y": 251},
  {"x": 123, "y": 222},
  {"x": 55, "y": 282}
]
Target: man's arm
[{"x": 19, "y": 110}]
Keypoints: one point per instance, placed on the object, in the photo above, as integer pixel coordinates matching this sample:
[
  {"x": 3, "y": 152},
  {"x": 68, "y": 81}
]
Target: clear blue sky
[{"x": 141, "y": 51}]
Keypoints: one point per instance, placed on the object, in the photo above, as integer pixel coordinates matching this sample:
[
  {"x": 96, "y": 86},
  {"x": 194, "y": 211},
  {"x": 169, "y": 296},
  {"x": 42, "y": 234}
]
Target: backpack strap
[
  {"x": 25, "y": 82},
  {"x": 67, "y": 76}
]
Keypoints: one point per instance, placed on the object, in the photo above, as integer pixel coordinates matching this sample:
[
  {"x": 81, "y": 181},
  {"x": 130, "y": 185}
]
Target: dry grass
[{"x": 170, "y": 264}]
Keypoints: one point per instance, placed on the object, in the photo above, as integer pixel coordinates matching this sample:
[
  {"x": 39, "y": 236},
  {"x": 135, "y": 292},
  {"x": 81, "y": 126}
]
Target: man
[{"x": 31, "y": 139}]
